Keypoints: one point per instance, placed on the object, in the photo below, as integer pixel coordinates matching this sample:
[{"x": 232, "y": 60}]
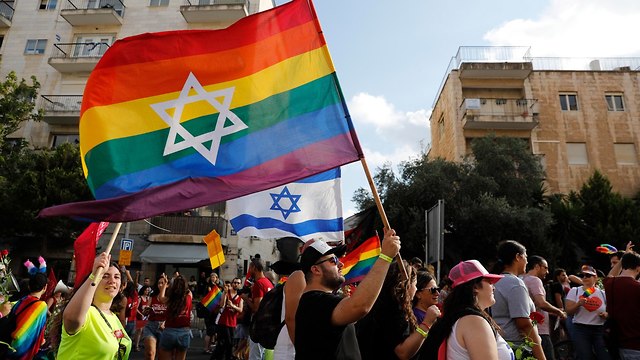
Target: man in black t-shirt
[{"x": 324, "y": 321}]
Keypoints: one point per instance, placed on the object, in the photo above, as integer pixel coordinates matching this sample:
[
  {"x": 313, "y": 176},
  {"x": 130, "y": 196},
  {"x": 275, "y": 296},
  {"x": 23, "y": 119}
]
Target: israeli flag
[{"x": 306, "y": 209}]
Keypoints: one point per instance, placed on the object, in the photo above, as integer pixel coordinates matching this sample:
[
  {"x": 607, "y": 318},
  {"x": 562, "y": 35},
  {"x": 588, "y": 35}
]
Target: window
[
  {"x": 441, "y": 126},
  {"x": 625, "y": 154},
  {"x": 60, "y": 139},
  {"x": 158, "y": 2},
  {"x": 48, "y": 4},
  {"x": 569, "y": 102},
  {"x": 577, "y": 154},
  {"x": 614, "y": 102},
  {"x": 35, "y": 46}
]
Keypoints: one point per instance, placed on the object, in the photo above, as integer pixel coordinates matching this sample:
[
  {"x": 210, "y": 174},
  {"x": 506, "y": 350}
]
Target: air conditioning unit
[{"x": 472, "y": 104}]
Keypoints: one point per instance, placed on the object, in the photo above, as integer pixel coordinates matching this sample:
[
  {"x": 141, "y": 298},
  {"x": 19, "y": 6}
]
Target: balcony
[
  {"x": 499, "y": 114},
  {"x": 6, "y": 13},
  {"x": 214, "y": 11},
  {"x": 77, "y": 57},
  {"x": 185, "y": 229},
  {"x": 61, "y": 109},
  {"x": 93, "y": 12}
]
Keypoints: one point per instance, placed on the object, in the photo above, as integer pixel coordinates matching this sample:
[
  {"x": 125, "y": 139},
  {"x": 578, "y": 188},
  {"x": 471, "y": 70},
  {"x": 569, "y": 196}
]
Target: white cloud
[
  {"x": 387, "y": 134},
  {"x": 571, "y": 28}
]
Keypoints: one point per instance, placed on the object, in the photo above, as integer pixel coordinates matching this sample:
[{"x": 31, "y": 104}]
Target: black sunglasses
[
  {"x": 585, "y": 276},
  {"x": 433, "y": 290},
  {"x": 334, "y": 259}
]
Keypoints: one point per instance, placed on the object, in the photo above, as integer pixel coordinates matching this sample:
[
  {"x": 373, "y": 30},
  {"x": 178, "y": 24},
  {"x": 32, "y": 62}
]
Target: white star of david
[{"x": 197, "y": 142}]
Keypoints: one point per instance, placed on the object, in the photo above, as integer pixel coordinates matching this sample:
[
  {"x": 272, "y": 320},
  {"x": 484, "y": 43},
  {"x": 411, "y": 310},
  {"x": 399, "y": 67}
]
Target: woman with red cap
[{"x": 466, "y": 331}]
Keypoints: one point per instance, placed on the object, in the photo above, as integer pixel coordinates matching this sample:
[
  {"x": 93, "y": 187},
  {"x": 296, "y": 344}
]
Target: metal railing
[
  {"x": 214, "y": 2},
  {"x": 518, "y": 109},
  {"x": 6, "y": 9},
  {"x": 117, "y": 5},
  {"x": 61, "y": 103},
  {"x": 187, "y": 225},
  {"x": 79, "y": 50}
]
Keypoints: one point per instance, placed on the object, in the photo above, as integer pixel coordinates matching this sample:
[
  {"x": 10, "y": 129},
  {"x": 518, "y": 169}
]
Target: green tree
[{"x": 17, "y": 104}]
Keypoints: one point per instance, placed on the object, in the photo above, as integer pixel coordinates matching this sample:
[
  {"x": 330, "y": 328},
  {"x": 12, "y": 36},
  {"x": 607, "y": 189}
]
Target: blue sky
[{"x": 391, "y": 56}]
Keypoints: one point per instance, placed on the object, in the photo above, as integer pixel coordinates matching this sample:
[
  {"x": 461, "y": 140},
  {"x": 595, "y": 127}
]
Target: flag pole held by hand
[
  {"x": 100, "y": 269},
  {"x": 383, "y": 215}
]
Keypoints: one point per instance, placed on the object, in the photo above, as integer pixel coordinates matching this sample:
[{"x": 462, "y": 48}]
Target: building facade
[
  {"x": 60, "y": 42},
  {"x": 577, "y": 115}
]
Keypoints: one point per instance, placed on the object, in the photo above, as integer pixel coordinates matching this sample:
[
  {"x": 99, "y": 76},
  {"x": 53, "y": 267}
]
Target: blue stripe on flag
[
  {"x": 301, "y": 229},
  {"x": 327, "y": 175}
]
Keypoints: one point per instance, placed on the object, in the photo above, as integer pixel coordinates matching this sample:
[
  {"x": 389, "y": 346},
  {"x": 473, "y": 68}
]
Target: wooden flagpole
[
  {"x": 383, "y": 215},
  {"x": 100, "y": 270}
]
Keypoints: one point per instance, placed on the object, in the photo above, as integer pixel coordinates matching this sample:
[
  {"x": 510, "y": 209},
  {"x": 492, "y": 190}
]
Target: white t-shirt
[
  {"x": 284, "y": 349},
  {"x": 588, "y": 313}
]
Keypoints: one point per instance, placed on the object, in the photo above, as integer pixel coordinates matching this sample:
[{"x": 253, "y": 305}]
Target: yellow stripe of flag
[{"x": 214, "y": 248}]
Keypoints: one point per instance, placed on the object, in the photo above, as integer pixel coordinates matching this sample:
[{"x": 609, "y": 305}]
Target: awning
[{"x": 174, "y": 253}]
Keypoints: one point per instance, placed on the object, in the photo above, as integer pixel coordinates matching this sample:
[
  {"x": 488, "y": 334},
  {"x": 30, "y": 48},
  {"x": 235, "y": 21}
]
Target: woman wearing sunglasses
[
  {"x": 588, "y": 306},
  {"x": 426, "y": 296},
  {"x": 89, "y": 329},
  {"x": 390, "y": 330}
]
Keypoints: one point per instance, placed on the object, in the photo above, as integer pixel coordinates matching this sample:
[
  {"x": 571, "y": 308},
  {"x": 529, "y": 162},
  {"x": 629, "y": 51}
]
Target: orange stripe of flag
[{"x": 122, "y": 83}]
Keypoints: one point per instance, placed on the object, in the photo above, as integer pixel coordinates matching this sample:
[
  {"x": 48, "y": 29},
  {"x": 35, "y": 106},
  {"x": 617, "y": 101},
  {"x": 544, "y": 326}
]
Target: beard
[{"x": 332, "y": 281}]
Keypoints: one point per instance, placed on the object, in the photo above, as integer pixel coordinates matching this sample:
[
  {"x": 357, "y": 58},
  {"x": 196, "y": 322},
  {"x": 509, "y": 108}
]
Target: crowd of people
[{"x": 397, "y": 311}]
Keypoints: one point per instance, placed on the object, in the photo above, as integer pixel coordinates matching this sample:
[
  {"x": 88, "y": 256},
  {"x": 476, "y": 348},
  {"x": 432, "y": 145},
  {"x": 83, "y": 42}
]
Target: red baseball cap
[{"x": 471, "y": 269}]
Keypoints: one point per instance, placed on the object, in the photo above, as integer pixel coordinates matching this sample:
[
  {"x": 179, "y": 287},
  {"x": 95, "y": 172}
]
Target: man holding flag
[{"x": 322, "y": 312}]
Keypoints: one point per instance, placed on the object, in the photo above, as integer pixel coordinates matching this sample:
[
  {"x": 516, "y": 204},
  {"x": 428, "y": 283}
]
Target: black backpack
[
  {"x": 7, "y": 326},
  {"x": 265, "y": 323}
]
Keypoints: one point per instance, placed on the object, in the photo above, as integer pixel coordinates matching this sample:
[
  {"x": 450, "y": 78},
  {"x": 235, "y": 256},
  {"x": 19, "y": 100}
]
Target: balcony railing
[
  {"x": 79, "y": 50},
  {"x": 187, "y": 225},
  {"x": 116, "y": 5},
  {"x": 214, "y": 11},
  {"x": 61, "y": 103},
  {"x": 497, "y": 113},
  {"x": 6, "y": 12}
]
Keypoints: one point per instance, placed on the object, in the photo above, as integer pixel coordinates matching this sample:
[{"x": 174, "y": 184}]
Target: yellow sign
[{"x": 125, "y": 258}]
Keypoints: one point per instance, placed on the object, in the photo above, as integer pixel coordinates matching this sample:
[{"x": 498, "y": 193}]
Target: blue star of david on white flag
[{"x": 306, "y": 209}]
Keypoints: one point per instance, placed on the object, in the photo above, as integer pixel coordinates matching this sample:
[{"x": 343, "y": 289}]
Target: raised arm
[
  {"x": 75, "y": 314},
  {"x": 355, "y": 307},
  {"x": 292, "y": 291}
]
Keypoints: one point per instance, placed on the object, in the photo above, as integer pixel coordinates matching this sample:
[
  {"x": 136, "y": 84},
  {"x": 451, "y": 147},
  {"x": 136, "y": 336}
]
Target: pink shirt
[{"x": 535, "y": 287}]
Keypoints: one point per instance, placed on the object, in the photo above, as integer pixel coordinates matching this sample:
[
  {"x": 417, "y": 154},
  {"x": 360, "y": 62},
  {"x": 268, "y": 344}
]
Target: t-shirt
[
  {"x": 158, "y": 310},
  {"x": 588, "y": 313},
  {"x": 382, "y": 329},
  {"x": 183, "y": 320},
  {"x": 558, "y": 288},
  {"x": 30, "y": 325},
  {"x": 132, "y": 307},
  {"x": 419, "y": 314},
  {"x": 229, "y": 316},
  {"x": 316, "y": 338},
  {"x": 535, "y": 287},
  {"x": 512, "y": 301},
  {"x": 95, "y": 340},
  {"x": 623, "y": 293},
  {"x": 260, "y": 288}
]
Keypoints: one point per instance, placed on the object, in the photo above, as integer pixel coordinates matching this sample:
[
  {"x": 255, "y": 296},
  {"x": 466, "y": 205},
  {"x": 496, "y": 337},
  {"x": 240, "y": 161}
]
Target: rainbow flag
[
  {"x": 212, "y": 299},
  {"x": 181, "y": 119},
  {"x": 589, "y": 291},
  {"x": 29, "y": 331},
  {"x": 359, "y": 261}
]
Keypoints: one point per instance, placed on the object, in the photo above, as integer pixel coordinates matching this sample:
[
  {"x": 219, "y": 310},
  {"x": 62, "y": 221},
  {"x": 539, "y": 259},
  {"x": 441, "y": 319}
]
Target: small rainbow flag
[
  {"x": 588, "y": 292},
  {"x": 359, "y": 261},
  {"x": 30, "y": 325},
  {"x": 212, "y": 299}
]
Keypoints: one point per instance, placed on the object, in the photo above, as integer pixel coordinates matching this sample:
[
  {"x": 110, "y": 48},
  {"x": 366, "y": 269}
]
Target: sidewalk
[{"x": 194, "y": 352}]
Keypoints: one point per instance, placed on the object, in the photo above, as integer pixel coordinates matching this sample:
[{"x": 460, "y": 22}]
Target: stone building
[{"x": 577, "y": 115}]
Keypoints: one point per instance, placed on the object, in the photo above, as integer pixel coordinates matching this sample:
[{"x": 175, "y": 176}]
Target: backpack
[
  {"x": 265, "y": 323},
  {"x": 8, "y": 325},
  {"x": 201, "y": 311}
]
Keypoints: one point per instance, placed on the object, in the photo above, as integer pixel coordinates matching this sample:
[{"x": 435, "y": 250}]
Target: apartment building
[
  {"x": 578, "y": 114},
  {"x": 60, "y": 42}
]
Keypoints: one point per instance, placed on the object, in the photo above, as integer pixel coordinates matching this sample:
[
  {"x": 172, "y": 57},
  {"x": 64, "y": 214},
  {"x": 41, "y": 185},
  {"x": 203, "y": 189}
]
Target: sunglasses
[
  {"x": 433, "y": 290},
  {"x": 333, "y": 259},
  {"x": 585, "y": 276}
]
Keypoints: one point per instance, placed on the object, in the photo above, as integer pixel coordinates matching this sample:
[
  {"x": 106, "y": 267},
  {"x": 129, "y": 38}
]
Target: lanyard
[{"x": 122, "y": 349}]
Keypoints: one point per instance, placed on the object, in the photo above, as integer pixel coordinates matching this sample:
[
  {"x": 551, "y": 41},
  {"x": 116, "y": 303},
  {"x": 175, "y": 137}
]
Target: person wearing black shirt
[{"x": 324, "y": 321}]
